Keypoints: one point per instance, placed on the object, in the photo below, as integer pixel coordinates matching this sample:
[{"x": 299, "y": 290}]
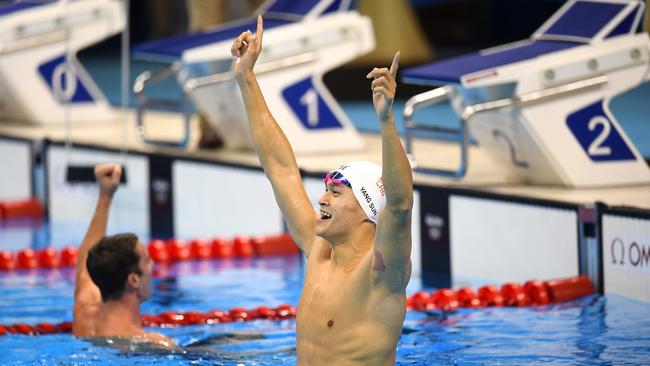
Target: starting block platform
[
  {"x": 540, "y": 107},
  {"x": 302, "y": 41},
  {"x": 41, "y": 80}
]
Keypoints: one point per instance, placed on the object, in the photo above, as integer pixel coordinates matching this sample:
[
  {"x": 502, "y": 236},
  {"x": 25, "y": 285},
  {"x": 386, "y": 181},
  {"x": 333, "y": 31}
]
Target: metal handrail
[
  {"x": 444, "y": 93},
  {"x": 426, "y": 99},
  {"x": 534, "y": 96},
  {"x": 144, "y": 102},
  {"x": 59, "y": 33},
  {"x": 147, "y": 78},
  {"x": 272, "y": 65},
  {"x": 33, "y": 41}
]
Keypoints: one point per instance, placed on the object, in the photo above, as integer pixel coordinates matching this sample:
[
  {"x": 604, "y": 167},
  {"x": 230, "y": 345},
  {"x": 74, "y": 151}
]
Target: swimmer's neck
[
  {"x": 347, "y": 252},
  {"x": 126, "y": 309}
]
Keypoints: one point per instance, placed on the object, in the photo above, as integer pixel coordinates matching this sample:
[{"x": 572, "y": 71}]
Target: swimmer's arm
[
  {"x": 108, "y": 176},
  {"x": 391, "y": 261},
  {"x": 273, "y": 148}
]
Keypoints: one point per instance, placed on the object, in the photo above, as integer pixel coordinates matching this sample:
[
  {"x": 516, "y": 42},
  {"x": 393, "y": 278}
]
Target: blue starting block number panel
[
  {"x": 309, "y": 106},
  {"x": 63, "y": 81},
  {"x": 597, "y": 135}
]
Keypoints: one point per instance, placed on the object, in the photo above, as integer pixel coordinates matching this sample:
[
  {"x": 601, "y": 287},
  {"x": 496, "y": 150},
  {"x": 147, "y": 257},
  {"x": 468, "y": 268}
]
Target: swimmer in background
[
  {"x": 352, "y": 305},
  {"x": 113, "y": 275}
]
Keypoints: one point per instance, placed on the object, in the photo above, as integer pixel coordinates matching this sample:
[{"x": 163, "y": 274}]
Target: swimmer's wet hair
[{"x": 110, "y": 262}]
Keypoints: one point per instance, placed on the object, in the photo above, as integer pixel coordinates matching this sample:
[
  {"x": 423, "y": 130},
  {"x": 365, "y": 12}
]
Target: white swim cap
[{"x": 367, "y": 185}]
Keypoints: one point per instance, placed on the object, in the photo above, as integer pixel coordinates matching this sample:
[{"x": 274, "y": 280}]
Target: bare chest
[
  {"x": 341, "y": 316},
  {"x": 331, "y": 300},
  {"x": 333, "y": 312}
]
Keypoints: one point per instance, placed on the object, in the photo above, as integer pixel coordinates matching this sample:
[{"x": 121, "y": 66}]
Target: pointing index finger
[
  {"x": 395, "y": 65},
  {"x": 259, "y": 33}
]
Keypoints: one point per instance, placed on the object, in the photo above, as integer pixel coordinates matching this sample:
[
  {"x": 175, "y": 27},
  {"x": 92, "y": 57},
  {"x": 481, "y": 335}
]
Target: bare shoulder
[
  {"x": 87, "y": 296},
  {"x": 85, "y": 319}
]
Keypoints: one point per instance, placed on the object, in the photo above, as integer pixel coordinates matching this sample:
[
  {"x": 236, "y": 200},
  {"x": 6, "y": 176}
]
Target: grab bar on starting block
[
  {"x": 444, "y": 93},
  {"x": 193, "y": 84},
  {"x": 144, "y": 103},
  {"x": 272, "y": 65},
  {"x": 426, "y": 99}
]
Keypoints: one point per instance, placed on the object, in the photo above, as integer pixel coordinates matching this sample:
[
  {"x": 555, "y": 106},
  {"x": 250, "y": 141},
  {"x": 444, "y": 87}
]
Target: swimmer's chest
[{"x": 334, "y": 299}]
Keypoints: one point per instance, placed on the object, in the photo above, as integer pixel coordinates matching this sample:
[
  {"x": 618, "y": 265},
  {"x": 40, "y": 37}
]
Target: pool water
[{"x": 595, "y": 330}]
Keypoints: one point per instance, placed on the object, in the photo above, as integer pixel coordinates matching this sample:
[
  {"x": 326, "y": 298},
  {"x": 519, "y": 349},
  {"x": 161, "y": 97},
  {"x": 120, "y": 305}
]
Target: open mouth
[{"x": 325, "y": 215}]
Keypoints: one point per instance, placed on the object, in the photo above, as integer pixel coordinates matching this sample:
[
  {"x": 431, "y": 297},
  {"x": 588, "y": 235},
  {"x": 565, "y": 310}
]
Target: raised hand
[
  {"x": 383, "y": 88},
  {"x": 246, "y": 49},
  {"x": 108, "y": 177}
]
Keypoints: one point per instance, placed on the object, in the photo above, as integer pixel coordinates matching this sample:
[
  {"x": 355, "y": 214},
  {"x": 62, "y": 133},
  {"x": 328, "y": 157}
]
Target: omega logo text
[{"x": 634, "y": 254}]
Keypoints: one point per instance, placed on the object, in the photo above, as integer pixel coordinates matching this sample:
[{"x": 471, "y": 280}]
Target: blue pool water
[{"x": 592, "y": 331}]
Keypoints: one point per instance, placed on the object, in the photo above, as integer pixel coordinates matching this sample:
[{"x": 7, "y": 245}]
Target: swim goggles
[{"x": 336, "y": 177}]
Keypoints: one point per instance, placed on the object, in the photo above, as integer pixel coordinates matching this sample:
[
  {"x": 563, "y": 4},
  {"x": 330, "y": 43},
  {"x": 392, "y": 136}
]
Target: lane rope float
[{"x": 532, "y": 293}]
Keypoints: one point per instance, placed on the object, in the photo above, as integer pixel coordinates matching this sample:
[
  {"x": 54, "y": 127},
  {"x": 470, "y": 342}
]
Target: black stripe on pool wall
[
  {"x": 434, "y": 236},
  {"x": 161, "y": 203}
]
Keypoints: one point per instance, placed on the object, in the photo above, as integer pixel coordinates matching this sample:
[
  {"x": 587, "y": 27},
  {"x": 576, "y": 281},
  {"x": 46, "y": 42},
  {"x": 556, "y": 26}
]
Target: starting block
[
  {"x": 41, "y": 80},
  {"x": 540, "y": 107},
  {"x": 302, "y": 41}
]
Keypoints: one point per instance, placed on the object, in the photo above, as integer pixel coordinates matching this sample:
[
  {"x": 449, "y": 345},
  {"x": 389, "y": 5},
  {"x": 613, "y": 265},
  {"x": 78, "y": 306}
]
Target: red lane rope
[
  {"x": 29, "y": 208},
  {"x": 511, "y": 294},
  {"x": 172, "y": 250},
  {"x": 532, "y": 293}
]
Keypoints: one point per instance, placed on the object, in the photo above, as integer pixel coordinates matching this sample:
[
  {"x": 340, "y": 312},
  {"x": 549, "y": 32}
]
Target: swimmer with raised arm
[
  {"x": 358, "y": 246},
  {"x": 113, "y": 275}
]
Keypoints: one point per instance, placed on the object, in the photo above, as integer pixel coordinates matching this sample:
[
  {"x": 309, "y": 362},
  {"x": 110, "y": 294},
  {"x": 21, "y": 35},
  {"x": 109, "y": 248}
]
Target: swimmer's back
[{"x": 91, "y": 321}]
